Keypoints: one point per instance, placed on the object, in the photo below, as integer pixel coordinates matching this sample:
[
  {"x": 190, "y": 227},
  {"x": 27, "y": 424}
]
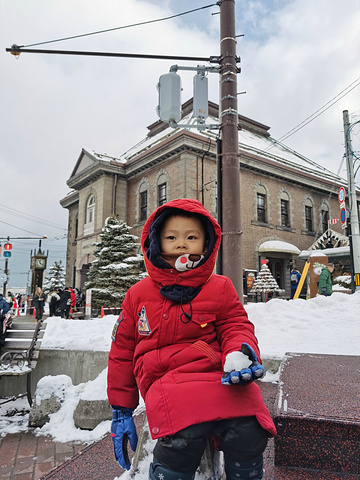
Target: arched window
[
  {"x": 285, "y": 209},
  {"x": 324, "y": 217},
  {"x": 143, "y": 199},
  {"x": 308, "y": 215},
  {"x": 261, "y": 204},
  {"x": 90, "y": 215},
  {"x": 162, "y": 187}
]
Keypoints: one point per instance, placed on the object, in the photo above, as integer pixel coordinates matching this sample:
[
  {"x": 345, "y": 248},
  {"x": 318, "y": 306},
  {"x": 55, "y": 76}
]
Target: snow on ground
[{"x": 323, "y": 325}]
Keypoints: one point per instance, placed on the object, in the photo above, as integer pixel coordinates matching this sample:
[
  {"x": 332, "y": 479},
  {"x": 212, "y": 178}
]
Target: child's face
[{"x": 181, "y": 235}]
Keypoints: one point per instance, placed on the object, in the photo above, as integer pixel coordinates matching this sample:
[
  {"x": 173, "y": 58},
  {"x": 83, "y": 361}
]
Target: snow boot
[
  {"x": 158, "y": 471},
  {"x": 249, "y": 469}
]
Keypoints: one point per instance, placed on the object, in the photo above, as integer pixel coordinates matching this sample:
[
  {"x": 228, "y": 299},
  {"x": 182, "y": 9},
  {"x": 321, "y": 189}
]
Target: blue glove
[
  {"x": 122, "y": 430},
  {"x": 241, "y": 374}
]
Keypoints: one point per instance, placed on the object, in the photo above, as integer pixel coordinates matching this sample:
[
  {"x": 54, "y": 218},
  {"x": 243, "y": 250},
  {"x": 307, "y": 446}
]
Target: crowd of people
[{"x": 60, "y": 301}]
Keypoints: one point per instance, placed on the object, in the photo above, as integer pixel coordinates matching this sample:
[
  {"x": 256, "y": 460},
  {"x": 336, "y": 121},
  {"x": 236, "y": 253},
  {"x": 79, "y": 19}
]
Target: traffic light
[
  {"x": 169, "y": 87},
  {"x": 7, "y": 249}
]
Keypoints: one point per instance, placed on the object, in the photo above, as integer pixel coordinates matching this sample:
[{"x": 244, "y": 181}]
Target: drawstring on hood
[{"x": 176, "y": 293}]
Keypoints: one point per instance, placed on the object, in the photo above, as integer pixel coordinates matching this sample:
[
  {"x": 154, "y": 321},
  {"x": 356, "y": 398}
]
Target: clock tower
[{"x": 37, "y": 265}]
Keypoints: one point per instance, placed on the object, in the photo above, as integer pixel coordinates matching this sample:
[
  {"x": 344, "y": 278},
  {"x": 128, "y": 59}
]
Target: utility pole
[
  {"x": 354, "y": 219},
  {"x": 228, "y": 115}
]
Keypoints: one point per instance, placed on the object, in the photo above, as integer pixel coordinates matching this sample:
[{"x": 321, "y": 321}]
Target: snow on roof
[
  {"x": 250, "y": 142},
  {"x": 330, "y": 252},
  {"x": 278, "y": 246}
]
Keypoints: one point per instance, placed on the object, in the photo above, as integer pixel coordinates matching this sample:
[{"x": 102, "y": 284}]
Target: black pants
[
  {"x": 39, "y": 312},
  {"x": 240, "y": 439}
]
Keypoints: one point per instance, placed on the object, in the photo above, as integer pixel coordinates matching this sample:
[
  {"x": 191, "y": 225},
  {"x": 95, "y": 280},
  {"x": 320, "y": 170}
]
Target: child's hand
[
  {"x": 122, "y": 430},
  {"x": 242, "y": 367}
]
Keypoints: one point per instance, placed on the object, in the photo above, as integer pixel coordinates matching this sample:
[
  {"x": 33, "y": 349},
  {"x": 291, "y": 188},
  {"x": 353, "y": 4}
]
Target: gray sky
[{"x": 297, "y": 56}]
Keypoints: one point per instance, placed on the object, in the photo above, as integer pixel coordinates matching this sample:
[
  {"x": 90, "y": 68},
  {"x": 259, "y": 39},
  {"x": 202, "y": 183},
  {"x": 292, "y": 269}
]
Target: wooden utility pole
[
  {"x": 228, "y": 115},
  {"x": 354, "y": 219}
]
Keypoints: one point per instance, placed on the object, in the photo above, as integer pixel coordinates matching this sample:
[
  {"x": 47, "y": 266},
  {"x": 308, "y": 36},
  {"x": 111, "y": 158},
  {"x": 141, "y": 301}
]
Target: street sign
[
  {"x": 343, "y": 215},
  {"x": 341, "y": 194}
]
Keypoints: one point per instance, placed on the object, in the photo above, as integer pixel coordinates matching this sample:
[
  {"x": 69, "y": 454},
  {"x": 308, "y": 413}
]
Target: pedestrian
[
  {"x": 53, "y": 300},
  {"x": 295, "y": 276},
  {"x": 183, "y": 339},
  {"x": 10, "y": 299},
  {"x": 325, "y": 281},
  {"x": 5, "y": 319},
  {"x": 73, "y": 298},
  {"x": 39, "y": 301},
  {"x": 79, "y": 298},
  {"x": 65, "y": 303}
]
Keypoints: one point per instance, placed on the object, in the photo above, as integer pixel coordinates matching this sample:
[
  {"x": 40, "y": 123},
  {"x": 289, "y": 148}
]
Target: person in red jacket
[{"x": 183, "y": 339}]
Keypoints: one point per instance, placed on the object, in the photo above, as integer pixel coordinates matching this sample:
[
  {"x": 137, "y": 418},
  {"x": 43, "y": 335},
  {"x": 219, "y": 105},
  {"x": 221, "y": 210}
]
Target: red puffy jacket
[{"x": 178, "y": 366}]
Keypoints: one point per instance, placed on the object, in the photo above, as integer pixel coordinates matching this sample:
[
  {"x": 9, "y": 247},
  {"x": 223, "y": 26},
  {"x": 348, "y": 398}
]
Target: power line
[
  {"x": 318, "y": 112},
  {"x": 26, "y": 216},
  {"x": 121, "y": 28},
  {"x": 22, "y": 229}
]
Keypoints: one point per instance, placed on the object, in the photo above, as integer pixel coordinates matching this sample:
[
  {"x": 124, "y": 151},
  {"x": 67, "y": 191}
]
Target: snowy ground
[{"x": 325, "y": 325}]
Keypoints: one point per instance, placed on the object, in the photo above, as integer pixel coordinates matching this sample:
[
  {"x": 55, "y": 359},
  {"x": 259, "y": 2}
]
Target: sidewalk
[{"x": 27, "y": 457}]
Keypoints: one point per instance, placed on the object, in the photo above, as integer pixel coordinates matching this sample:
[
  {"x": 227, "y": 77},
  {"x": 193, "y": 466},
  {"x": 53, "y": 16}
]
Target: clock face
[{"x": 40, "y": 262}]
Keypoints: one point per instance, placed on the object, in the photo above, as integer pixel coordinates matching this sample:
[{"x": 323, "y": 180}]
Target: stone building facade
[{"x": 286, "y": 199}]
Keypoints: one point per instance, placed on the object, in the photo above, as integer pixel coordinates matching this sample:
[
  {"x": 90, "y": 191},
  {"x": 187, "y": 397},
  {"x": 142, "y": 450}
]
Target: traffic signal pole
[
  {"x": 354, "y": 219},
  {"x": 228, "y": 115}
]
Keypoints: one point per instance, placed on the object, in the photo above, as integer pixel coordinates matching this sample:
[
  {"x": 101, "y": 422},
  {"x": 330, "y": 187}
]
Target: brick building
[{"x": 286, "y": 199}]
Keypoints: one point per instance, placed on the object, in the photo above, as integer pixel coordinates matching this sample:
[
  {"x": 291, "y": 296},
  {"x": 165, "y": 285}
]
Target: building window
[
  {"x": 89, "y": 216},
  {"x": 308, "y": 218},
  {"x": 162, "y": 194},
  {"x": 76, "y": 226},
  {"x": 324, "y": 220},
  {"x": 261, "y": 207},
  {"x": 143, "y": 206},
  {"x": 285, "y": 219}
]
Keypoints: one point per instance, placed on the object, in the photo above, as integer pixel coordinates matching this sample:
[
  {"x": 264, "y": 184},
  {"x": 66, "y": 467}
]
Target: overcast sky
[{"x": 297, "y": 58}]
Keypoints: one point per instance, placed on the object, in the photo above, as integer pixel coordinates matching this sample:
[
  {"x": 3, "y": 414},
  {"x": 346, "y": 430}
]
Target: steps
[{"x": 318, "y": 414}]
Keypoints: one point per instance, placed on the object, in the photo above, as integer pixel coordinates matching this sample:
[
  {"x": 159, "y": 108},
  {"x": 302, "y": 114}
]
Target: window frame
[
  {"x": 261, "y": 207},
  {"x": 143, "y": 205},
  {"x": 162, "y": 197},
  {"x": 309, "y": 223},
  {"x": 285, "y": 217}
]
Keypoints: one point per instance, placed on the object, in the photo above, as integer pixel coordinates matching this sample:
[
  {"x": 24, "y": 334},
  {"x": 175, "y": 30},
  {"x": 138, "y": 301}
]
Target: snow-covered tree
[
  {"x": 55, "y": 278},
  {"x": 117, "y": 265},
  {"x": 265, "y": 282}
]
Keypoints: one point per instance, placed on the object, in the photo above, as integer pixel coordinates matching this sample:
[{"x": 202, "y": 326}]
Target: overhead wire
[
  {"x": 318, "y": 112},
  {"x": 120, "y": 28},
  {"x": 26, "y": 216}
]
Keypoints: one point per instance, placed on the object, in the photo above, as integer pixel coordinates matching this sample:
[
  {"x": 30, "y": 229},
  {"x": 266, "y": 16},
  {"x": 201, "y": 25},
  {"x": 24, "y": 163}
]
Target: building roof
[{"x": 257, "y": 150}]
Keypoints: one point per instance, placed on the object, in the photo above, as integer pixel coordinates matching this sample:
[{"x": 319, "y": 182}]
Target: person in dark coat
[
  {"x": 325, "y": 281},
  {"x": 39, "y": 301},
  {"x": 65, "y": 303},
  {"x": 5, "y": 319},
  {"x": 53, "y": 301},
  {"x": 184, "y": 340}
]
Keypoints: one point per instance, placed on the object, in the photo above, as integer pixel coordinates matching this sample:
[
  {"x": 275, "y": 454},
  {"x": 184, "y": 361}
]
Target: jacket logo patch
[
  {"x": 143, "y": 324},
  {"x": 116, "y": 326}
]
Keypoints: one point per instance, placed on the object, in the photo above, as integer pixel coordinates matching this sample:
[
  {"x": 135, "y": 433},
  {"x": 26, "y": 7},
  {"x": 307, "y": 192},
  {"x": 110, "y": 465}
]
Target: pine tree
[
  {"x": 117, "y": 265},
  {"x": 55, "y": 278},
  {"x": 265, "y": 282}
]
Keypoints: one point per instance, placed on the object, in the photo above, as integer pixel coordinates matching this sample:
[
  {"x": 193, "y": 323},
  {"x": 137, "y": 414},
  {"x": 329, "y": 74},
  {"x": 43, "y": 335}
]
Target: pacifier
[{"x": 188, "y": 261}]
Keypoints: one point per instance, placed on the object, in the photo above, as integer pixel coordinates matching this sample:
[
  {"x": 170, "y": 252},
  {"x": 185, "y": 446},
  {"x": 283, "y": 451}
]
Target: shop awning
[
  {"x": 278, "y": 246},
  {"x": 330, "y": 252}
]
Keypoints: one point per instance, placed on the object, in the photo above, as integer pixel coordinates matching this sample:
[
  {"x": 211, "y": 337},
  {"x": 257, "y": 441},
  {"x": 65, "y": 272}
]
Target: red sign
[{"x": 341, "y": 194}]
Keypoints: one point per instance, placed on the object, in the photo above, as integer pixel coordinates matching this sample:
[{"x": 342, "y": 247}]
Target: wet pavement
[{"x": 24, "y": 456}]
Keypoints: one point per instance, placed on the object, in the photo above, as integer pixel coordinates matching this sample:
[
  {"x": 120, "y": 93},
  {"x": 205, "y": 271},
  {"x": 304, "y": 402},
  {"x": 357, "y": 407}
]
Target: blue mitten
[
  {"x": 242, "y": 367},
  {"x": 123, "y": 430}
]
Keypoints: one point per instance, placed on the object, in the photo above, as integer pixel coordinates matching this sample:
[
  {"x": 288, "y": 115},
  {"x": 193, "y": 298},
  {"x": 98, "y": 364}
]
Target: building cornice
[{"x": 71, "y": 199}]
